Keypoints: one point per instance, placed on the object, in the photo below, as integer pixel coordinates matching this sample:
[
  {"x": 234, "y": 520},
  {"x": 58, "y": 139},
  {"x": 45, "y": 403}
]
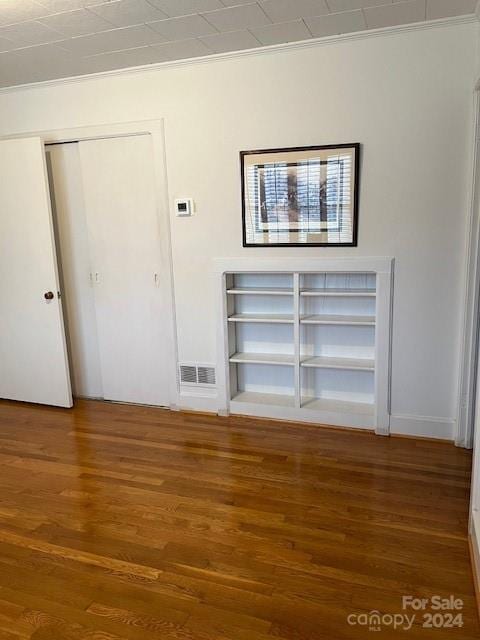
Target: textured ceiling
[{"x": 47, "y": 39}]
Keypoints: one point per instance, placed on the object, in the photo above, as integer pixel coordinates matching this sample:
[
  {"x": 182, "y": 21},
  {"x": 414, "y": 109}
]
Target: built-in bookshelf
[{"x": 308, "y": 345}]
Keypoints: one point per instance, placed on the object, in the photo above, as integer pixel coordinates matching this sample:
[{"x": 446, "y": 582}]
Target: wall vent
[
  {"x": 206, "y": 375},
  {"x": 188, "y": 374},
  {"x": 199, "y": 375}
]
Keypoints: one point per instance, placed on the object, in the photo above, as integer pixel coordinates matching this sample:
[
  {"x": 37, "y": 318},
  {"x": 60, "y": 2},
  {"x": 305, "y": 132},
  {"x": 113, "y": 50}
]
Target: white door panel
[
  {"x": 33, "y": 360},
  {"x": 130, "y": 301},
  {"x": 65, "y": 175}
]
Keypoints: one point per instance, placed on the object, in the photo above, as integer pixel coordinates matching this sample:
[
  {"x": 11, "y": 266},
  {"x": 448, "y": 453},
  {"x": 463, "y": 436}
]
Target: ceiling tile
[
  {"x": 57, "y": 6},
  {"x": 128, "y": 12},
  {"x": 123, "y": 59},
  {"x": 181, "y": 49},
  {"x": 9, "y": 70},
  {"x": 36, "y": 64},
  {"x": 183, "y": 27},
  {"x": 77, "y": 23},
  {"x": 18, "y": 10},
  {"x": 41, "y": 54},
  {"x": 231, "y": 41},
  {"x": 283, "y": 10},
  {"x": 282, "y": 32},
  {"x": 107, "y": 62},
  {"x": 349, "y": 5},
  {"x": 25, "y": 34},
  {"x": 234, "y": 3},
  {"x": 14, "y": 73},
  {"x": 142, "y": 55},
  {"x": 235, "y": 18},
  {"x": 345, "y": 22},
  {"x": 393, "y": 14},
  {"x": 128, "y": 38},
  {"x": 175, "y": 8},
  {"x": 46, "y": 62},
  {"x": 448, "y": 8},
  {"x": 5, "y": 45}
]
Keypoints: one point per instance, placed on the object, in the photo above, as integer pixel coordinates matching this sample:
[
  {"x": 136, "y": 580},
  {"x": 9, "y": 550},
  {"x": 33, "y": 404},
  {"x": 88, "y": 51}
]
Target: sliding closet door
[
  {"x": 65, "y": 175},
  {"x": 33, "y": 360},
  {"x": 130, "y": 301}
]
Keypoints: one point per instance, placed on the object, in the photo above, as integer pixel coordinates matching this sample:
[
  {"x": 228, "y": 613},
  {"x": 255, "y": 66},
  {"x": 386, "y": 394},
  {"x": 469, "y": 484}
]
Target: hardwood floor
[{"x": 139, "y": 523}]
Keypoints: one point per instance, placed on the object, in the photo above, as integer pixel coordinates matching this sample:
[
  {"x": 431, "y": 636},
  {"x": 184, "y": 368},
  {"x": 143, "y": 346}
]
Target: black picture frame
[{"x": 355, "y": 146}]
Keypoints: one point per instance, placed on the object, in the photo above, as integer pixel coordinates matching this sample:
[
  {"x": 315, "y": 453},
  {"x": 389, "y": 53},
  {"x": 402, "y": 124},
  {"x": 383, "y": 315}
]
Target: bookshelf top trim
[{"x": 373, "y": 265}]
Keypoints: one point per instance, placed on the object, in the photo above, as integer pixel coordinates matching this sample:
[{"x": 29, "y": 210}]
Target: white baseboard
[
  {"x": 423, "y": 426},
  {"x": 420, "y": 426}
]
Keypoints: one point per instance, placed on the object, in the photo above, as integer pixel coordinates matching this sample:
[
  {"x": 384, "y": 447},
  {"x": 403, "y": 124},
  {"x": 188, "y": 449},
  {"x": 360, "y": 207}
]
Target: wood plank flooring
[{"x": 121, "y": 522}]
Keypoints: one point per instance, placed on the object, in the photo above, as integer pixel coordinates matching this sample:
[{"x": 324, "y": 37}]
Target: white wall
[{"x": 407, "y": 97}]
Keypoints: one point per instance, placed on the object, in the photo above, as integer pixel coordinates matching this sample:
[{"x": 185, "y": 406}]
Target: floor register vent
[{"x": 199, "y": 375}]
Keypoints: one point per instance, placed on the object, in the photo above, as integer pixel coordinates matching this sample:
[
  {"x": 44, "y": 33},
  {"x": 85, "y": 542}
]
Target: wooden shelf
[
  {"x": 338, "y": 406},
  {"x": 366, "y": 321},
  {"x": 275, "y": 318},
  {"x": 326, "y": 362},
  {"x": 262, "y": 358},
  {"x": 252, "y": 397},
  {"x": 341, "y": 293},
  {"x": 260, "y": 291}
]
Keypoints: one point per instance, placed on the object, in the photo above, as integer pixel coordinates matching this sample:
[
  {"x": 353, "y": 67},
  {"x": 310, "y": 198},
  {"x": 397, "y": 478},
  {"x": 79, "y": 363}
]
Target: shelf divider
[{"x": 296, "y": 341}]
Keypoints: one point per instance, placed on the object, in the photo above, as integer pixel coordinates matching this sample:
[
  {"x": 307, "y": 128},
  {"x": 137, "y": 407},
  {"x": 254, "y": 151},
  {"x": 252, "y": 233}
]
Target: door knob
[{"x": 48, "y": 295}]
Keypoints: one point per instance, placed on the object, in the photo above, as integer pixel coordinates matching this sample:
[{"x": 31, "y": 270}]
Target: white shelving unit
[{"x": 306, "y": 340}]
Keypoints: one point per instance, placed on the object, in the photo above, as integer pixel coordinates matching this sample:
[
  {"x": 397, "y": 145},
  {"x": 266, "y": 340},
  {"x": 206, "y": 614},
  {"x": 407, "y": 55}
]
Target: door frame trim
[
  {"x": 471, "y": 300},
  {"x": 156, "y": 130}
]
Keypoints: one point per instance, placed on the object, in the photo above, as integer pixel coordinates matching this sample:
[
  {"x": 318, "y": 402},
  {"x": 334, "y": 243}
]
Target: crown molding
[{"x": 257, "y": 51}]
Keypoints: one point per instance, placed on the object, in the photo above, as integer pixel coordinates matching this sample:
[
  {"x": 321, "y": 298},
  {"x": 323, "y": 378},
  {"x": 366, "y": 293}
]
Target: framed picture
[{"x": 303, "y": 196}]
